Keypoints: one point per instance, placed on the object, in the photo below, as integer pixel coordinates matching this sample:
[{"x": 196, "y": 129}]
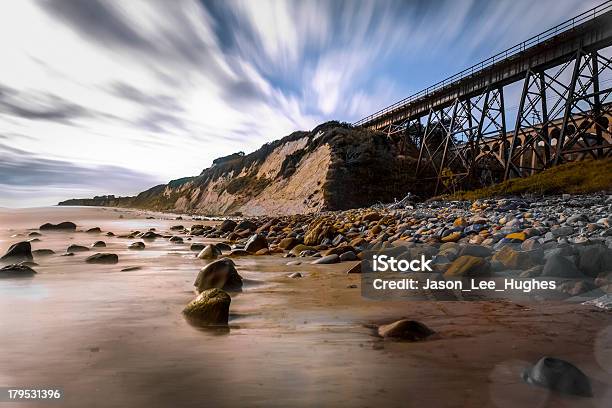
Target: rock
[
  {"x": 98, "y": 244},
  {"x": 559, "y": 266},
  {"x": 21, "y": 251},
  {"x": 452, "y": 237},
  {"x": 102, "y": 258},
  {"x": 34, "y": 234},
  {"x": 77, "y": 248},
  {"x": 521, "y": 236},
  {"x": 43, "y": 252},
  {"x": 238, "y": 252},
  {"x": 476, "y": 250},
  {"x": 94, "y": 230},
  {"x": 562, "y": 231},
  {"x": 222, "y": 246},
  {"x": 329, "y": 259},
  {"x": 131, "y": 268},
  {"x": 530, "y": 244},
  {"x": 137, "y": 245},
  {"x": 227, "y": 226},
  {"x": 66, "y": 225},
  {"x": 149, "y": 235},
  {"x": 512, "y": 259},
  {"x": 468, "y": 266},
  {"x": 295, "y": 275},
  {"x": 372, "y": 216},
  {"x": 175, "y": 239},
  {"x": 348, "y": 256},
  {"x": 558, "y": 375},
  {"x": 110, "y": 234},
  {"x": 177, "y": 228},
  {"x": 288, "y": 243},
  {"x": 355, "y": 269},
  {"x": 220, "y": 274},
  {"x": 17, "y": 271},
  {"x": 296, "y": 250},
  {"x": 602, "y": 302},
  {"x": 594, "y": 259},
  {"x": 294, "y": 263},
  {"x": 211, "y": 307},
  {"x": 263, "y": 251},
  {"x": 197, "y": 246},
  {"x": 255, "y": 243},
  {"x": 245, "y": 225},
  {"x": 532, "y": 272},
  {"x": 209, "y": 252},
  {"x": 409, "y": 330},
  {"x": 319, "y": 232}
]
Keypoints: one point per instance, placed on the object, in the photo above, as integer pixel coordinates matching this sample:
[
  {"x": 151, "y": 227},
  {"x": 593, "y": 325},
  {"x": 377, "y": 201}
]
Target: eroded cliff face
[{"x": 332, "y": 167}]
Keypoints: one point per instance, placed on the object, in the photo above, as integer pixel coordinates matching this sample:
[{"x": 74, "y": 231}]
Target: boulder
[
  {"x": 220, "y": 274},
  {"x": 21, "y": 251},
  {"x": 66, "y": 225},
  {"x": 255, "y": 243},
  {"x": 559, "y": 266},
  {"x": 43, "y": 252},
  {"x": 594, "y": 259},
  {"x": 102, "y": 258},
  {"x": 98, "y": 244},
  {"x": 512, "y": 259},
  {"x": 177, "y": 228},
  {"x": 209, "y": 252},
  {"x": 245, "y": 225},
  {"x": 227, "y": 226},
  {"x": 77, "y": 248},
  {"x": 475, "y": 250},
  {"x": 295, "y": 275},
  {"x": 177, "y": 240},
  {"x": 149, "y": 235},
  {"x": 468, "y": 266},
  {"x": 558, "y": 375},
  {"x": 16, "y": 271},
  {"x": 137, "y": 245},
  {"x": 222, "y": 246},
  {"x": 211, "y": 307},
  {"x": 288, "y": 243},
  {"x": 348, "y": 256},
  {"x": 197, "y": 246},
  {"x": 94, "y": 230},
  {"x": 409, "y": 330}
]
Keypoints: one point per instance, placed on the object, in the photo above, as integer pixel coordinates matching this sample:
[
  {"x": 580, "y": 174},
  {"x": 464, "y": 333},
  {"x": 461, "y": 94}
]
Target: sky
[{"x": 113, "y": 97}]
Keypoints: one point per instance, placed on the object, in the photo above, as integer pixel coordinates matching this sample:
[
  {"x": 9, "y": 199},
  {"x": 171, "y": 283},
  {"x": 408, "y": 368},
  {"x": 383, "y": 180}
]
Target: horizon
[{"x": 155, "y": 83}]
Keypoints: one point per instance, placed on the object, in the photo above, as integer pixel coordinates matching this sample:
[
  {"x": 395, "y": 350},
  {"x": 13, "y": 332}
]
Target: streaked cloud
[{"x": 161, "y": 88}]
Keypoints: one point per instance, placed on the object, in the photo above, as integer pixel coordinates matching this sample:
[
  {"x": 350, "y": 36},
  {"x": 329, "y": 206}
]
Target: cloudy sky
[{"x": 100, "y": 97}]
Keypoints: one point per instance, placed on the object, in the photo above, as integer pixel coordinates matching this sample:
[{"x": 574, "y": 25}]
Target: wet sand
[{"x": 113, "y": 338}]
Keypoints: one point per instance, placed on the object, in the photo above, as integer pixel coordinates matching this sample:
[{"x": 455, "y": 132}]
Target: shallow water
[{"x": 113, "y": 338}]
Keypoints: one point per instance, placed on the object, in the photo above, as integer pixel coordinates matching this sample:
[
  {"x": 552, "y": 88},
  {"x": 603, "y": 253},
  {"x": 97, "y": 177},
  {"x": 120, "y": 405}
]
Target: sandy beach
[{"x": 113, "y": 338}]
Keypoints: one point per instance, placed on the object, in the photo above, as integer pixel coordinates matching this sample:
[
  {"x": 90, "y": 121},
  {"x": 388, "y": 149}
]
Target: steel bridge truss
[{"x": 563, "y": 115}]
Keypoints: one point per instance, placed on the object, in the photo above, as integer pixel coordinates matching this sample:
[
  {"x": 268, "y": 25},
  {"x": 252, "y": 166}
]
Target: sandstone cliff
[{"x": 332, "y": 167}]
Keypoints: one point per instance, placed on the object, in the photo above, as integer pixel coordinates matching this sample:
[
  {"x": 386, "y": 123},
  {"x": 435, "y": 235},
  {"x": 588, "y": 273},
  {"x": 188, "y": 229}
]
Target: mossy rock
[{"x": 211, "y": 307}]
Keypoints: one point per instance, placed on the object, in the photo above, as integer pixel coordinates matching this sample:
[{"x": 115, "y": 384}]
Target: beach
[{"x": 109, "y": 337}]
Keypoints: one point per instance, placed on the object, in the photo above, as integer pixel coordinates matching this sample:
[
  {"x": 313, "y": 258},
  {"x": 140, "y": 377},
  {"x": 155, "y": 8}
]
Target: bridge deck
[{"x": 591, "y": 30}]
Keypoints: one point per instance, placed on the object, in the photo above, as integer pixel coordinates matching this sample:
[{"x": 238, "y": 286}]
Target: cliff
[{"x": 332, "y": 167}]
